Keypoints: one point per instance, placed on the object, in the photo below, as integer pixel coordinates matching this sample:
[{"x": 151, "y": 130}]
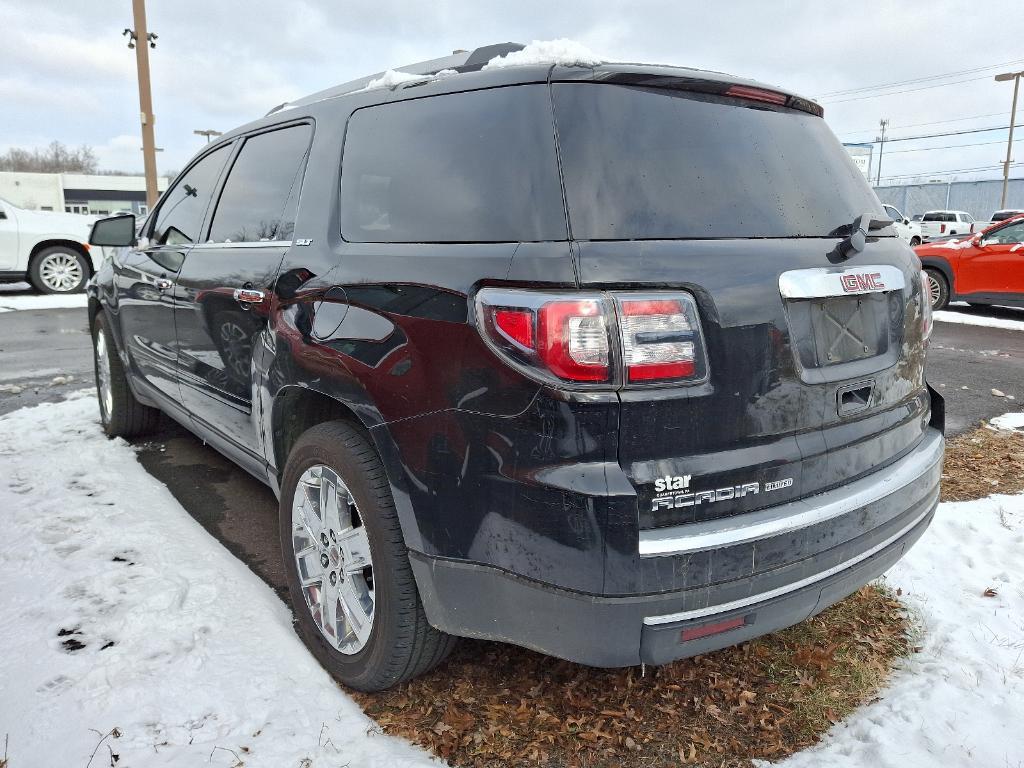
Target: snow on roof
[
  {"x": 391, "y": 78},
  {"x": 564, "y": 52}
]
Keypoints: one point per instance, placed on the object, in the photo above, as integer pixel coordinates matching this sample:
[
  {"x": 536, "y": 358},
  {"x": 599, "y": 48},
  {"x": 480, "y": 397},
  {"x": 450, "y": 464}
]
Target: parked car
[
  {"x": 936, "y": 224},
  {"x": 621, "y": 393},
  {"x": 987, "y": 268},
  {"x": 1002, "y": 215},
  {"x": 49, "y": 250},
  {"x": 906, "y": 229}
]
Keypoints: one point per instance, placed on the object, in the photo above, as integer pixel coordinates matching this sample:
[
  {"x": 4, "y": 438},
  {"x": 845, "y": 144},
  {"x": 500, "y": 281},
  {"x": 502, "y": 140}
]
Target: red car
[{"x": 986, "y": 268}]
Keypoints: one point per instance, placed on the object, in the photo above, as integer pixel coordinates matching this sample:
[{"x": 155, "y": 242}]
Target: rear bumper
[{"x": 475, "y": 600}]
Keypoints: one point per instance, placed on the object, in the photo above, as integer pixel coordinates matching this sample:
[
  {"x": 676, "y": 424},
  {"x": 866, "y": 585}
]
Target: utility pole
[
  {"x": 209, "y": 133},
  {"x": 1015, "y": 76},
  {"x": 142, "y": 40},
  {"x": 882, "y": 124}
]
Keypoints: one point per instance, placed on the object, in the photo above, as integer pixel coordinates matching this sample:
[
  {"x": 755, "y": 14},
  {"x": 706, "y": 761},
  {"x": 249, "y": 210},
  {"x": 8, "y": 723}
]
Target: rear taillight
[
  {"x": 614, "y": 338},
  {"x": 942, "y": 229}
]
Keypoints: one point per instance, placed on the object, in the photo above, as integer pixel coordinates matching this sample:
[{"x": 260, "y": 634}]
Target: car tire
[
  {"x": 59, "y": 270},
  {"x": 376, "y": 633},
  {"x": 120, "y": 413},
  {"x": 915, "y": 241},
  {"x": 938, "y": 289}
]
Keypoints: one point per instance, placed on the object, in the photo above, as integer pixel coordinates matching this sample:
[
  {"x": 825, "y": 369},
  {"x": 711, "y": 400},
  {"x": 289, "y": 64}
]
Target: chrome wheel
[
  {"x": 103, "y": 388},
  {"x": 934, "y": 290},
  {"x": 60, "y": 271},
  {"x": 332, "y": 558}
]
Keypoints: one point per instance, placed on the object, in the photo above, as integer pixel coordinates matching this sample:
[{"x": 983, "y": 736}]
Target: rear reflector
[
  {"x": 696, "y": 633},
  {"x": 756, "y": 94}
]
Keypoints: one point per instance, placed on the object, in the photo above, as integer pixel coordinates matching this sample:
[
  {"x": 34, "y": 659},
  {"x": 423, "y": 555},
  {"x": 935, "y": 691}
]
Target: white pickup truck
[
  {"x": 905, "y": 228},
  {"x": 937, "y": 224},
  {"x": 50, "y": 250}
]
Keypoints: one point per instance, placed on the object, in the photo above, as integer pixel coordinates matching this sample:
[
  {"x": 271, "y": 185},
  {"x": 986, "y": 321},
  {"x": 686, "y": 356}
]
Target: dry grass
[
  {"x": 497, "y": 705},
  {"x": 983, "y": 462}
]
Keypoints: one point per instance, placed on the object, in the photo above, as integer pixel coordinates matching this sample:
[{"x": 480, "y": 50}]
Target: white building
[{"x": 77, "y": 192}]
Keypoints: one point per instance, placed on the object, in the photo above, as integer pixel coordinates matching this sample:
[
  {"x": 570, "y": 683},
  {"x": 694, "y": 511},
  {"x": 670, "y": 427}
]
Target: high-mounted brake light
[
  {"x": 756, "y": 94},
  {"x": 581, "y": 337}
]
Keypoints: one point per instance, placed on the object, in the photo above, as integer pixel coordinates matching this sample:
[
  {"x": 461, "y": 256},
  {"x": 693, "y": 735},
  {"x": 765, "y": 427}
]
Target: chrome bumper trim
[
  {"x": 711, "y": 610},
  {"x": 786, "y": 518}
]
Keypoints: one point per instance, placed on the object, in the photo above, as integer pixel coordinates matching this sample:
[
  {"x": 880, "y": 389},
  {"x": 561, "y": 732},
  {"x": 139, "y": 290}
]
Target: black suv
[{"x": 613, "y": 362}]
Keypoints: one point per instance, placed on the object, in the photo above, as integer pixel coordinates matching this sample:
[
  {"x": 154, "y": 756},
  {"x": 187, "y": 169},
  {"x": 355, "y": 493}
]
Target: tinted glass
[
  {"x": 181, "y": 211},
  {"x": 653, "y": 163},
  {"x": 1012, "y": 233},
  {"x": 261, "y": 193},
  {"x": 466, "y": 167}
]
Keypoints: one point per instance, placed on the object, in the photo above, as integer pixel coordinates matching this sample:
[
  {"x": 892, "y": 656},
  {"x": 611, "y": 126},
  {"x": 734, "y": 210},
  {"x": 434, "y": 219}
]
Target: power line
[
  {"x": 951, "y": 133},
  {"x": 958, "y": 73},
  {"x": 932, "y": 122},
  {"x": 945, "y": 146},
  {"x": 906, "y": 90},
  {"x": 949, "y": 172}
]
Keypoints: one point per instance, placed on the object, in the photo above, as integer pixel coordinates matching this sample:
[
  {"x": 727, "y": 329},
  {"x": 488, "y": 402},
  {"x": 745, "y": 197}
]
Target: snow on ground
[
  {"x": 11, "y": 302},
  {"x": 960, "y": 701},
  {"x": 564, "y": 52},
  {"x": 176, "y": 644},
  {"x": 1014, "y": 420},
  {"x": 946, "y": 316},
  {"x": 183, "y": 649}
]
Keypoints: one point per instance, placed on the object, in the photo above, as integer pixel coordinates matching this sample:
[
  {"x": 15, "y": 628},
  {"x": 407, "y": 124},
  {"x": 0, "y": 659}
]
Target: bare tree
[{"x": 56, "y": 158}]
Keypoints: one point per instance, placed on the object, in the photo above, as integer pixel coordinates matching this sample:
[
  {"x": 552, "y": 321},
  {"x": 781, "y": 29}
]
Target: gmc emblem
[{"x": 860, "y": 283}]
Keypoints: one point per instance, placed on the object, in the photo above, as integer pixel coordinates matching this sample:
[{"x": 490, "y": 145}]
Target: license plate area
[{"x": 846, "y": 328}]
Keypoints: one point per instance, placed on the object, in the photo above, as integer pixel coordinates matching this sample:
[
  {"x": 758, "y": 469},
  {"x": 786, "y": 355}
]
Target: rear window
[
  {"x": 467, "y": 167},
  {"x": 654, "y": 163}
]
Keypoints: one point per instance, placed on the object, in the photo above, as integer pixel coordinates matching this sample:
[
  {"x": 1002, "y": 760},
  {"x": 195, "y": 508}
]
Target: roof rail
[{"x": 463, "y": 61}]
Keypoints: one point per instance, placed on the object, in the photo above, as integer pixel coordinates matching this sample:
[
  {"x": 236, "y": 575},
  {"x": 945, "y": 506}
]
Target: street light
[
  {"x": 1015, "y": 76},
  {"x": 209, "y": 133}
]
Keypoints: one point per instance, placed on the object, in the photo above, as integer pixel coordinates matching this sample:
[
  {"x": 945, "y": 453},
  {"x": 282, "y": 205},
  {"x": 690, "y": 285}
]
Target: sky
[{"x": 66, "y": 73}]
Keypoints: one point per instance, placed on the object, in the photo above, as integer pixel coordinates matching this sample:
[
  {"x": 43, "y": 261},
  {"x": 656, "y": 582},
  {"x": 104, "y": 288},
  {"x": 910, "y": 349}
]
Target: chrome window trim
[
  {"x": 246, "y": 244},
  {"x": 700, "y": 613},
  {"x": 822, "y": 282},
  {"x": 786, "y": 518}
]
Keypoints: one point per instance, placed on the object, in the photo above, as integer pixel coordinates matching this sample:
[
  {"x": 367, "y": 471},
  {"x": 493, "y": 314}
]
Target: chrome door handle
[
  {"x": 162, "y": 283},
  {"x": 247, "y": 296}
]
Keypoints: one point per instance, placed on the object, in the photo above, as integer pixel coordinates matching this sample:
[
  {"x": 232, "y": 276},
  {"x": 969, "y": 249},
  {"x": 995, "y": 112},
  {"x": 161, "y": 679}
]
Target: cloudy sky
[{"x": 67, "y": 74}]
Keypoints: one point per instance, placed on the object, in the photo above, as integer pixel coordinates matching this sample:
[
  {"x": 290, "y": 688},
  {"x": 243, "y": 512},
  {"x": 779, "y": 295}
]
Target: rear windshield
[{"x": 644, "y": 163}]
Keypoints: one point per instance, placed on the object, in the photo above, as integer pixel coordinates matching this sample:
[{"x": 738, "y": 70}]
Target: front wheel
[
  {"x": 938, "y": 289},
  {"x": 351, "y": 585},
  {"x": 120, "y": 413},
  {"x": 915, "y": 241},
  {"x": 58, "y": 270}
]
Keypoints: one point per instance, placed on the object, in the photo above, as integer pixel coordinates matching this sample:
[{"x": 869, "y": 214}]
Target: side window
[
  {"x": 181, "y": 210},
  {"x": 478, "y": 166},
  {"x": 1012, "y": 234},
  {"x": 261, "y": 193}
]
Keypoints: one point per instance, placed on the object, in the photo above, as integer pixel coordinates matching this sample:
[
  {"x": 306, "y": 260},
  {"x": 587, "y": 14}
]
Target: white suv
[
  {"x": 906, "y": 229},
  {"x": 50, "y": 250}
]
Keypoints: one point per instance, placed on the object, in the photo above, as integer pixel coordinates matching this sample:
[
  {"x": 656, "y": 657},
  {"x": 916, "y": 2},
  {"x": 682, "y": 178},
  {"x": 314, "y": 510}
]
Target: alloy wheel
[
  {"x": 60, "y": 272},
  {"x": 333, "y": 559},
  {"x": 934, "y": 289},
  {"x": 103, "y": 378}
]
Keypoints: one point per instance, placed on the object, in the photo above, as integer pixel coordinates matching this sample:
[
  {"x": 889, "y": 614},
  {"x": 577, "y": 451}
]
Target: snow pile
[
  {"x": 946, "y": 316},
  {"x": 117, "y": 610},
  {"x": 960, "y": 701},
  {"x": 13, "y": 303},
  {"x": 563, "y": 52},
  {"x": 393, "y": 77},
  {"x": 1008, "y": 421}
]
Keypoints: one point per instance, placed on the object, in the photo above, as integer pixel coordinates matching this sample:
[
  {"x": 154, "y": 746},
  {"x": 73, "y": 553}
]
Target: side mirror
[
  {"x": 114, "y": 231},
  {"x": 906, "y": 220}
]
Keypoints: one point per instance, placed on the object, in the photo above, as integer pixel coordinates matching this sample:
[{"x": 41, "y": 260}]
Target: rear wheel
[
  {"x": 915, "y": 240},
  {"x": 351, "y": 585},
  {"x": 938, "y": 288},
  {"x": 120, "y": 413},
  {"x": 58, "y": 270}
]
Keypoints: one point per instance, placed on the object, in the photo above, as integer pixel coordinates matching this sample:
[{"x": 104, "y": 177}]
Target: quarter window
[
  {"x": 183, "y": 206},
  {"x": 261, "y": 193},
  {"x": 467, "y": 167}
]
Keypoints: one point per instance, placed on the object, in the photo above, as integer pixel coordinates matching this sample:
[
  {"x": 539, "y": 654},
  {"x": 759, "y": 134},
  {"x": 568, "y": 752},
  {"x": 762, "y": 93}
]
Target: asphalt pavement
[{"x": 40, "y": 349}]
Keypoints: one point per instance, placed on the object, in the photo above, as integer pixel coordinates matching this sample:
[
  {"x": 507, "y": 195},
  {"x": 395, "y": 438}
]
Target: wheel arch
[
  {"x": 943, "y": 266},
  {"x": 73, "y": 245},
  {"x": 299, "y": 407}
]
